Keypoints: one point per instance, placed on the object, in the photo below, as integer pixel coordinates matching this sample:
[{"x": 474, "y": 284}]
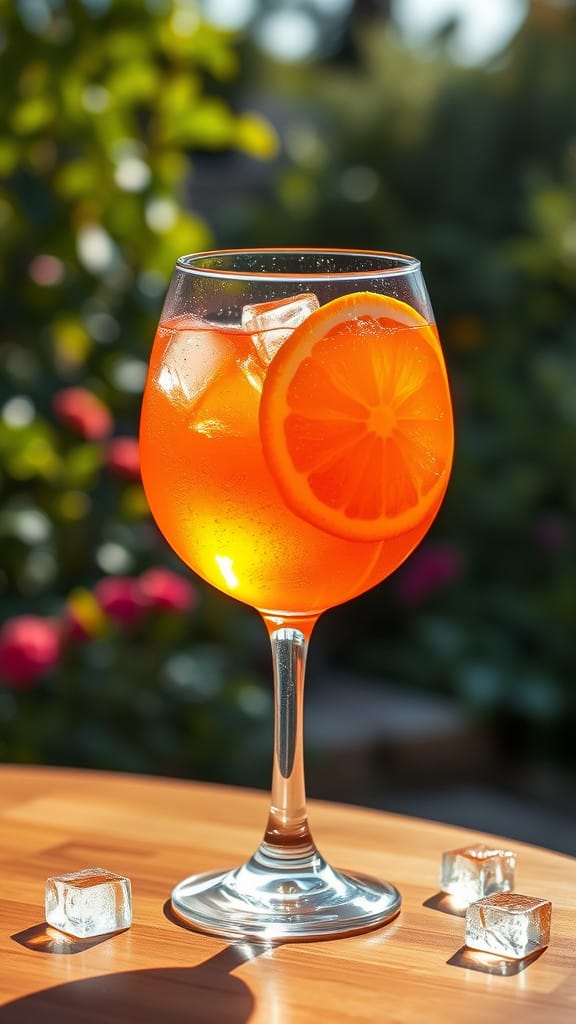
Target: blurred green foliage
[
  {"x": 103, "y": 108},
  {"x": 473, "y": 169},
  {"x": 124, "y": 141}
]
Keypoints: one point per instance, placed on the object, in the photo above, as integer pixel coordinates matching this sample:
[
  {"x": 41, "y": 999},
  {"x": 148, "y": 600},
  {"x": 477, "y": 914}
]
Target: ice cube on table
[
  {"x": 88, "y": 902},
  {"x": 472, "y": 872},
  {"x": 271, "y": 323},
  {"x": 509, "y": 924},
  {"x": 194, "y": 354}
]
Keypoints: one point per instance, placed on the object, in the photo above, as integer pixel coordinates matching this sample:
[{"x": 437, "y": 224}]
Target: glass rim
[{"x": 392, "y": 264}]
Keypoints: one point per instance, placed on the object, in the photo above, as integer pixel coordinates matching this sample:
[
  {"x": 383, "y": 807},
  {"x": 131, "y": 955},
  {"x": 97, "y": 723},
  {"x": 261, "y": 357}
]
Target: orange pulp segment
[{"x": 355, "y": 418}]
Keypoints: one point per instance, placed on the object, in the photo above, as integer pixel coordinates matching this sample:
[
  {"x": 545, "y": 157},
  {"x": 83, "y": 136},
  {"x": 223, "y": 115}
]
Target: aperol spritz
[{"x": 296, "y": 444}]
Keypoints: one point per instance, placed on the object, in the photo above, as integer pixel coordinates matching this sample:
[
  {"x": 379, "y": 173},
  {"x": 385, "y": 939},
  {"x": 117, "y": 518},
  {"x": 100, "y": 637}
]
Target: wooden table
[{"x": 158, "y": 972}]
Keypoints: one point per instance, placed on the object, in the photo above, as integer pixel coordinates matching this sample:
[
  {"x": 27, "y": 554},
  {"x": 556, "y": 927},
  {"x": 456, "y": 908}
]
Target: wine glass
[{"x": 296, "y": 443}]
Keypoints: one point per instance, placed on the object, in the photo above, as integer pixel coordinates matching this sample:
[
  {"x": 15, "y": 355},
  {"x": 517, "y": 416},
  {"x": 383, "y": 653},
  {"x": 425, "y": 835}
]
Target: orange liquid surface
[{"x": 212, "y": 495}]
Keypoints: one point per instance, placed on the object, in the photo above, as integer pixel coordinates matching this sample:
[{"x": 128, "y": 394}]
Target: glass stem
[{"x": 287, "y": 835}]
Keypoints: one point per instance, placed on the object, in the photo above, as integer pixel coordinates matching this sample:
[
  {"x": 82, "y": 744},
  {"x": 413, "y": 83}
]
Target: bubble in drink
[
  {"x": 509, "y": 924},
  {"x": 271, "y": 323},
  {"x": 193, "y": 357},
  {"x": 89, "y": 902},
  {"x": 472, "y": 872}
]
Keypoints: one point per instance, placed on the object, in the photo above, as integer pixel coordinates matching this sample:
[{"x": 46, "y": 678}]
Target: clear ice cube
[
  {"x": 89, "y": 902},
  {"x": 254, "y": 370},
  {"x": 271, "y": 323},
  {"x": 193, "y": 356},
  {"x": 509, "y": 924},
  {"x": 229, "y": 406},
  {"x": 472, "y": 872}
]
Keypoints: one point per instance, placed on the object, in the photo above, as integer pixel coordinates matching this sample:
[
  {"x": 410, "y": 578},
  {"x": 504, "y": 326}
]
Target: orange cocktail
[
  {"x": 218, "y": 495},
  {"x": 296, "y": 444}
]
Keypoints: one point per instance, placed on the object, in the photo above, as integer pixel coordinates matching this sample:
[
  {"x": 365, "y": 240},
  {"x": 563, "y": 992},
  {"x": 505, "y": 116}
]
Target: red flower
[
  {"x": 29, "y": 648},
  {"x": 120, "y": 598},
  {"x": 123, "y": 457},
  {"x": 431, "y": 568},
  {"x": 83, "y": 413},
  {"x": 164, "y": 589}
]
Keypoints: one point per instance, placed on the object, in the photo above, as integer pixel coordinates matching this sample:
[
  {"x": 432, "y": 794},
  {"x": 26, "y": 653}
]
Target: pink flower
[
  {"x": 431, "y": 568},
  {"x": 120, "y": 598},
  {"x": 164, "y": 589},
  {"x": 123, "y": 457},
  {"x": 29, "y": 648},
  {"x": 83, "y": 413}
]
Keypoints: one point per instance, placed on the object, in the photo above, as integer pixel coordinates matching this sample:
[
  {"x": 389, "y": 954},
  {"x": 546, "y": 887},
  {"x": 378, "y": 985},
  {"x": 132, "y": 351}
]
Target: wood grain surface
[{"x": 157, "y": 831}]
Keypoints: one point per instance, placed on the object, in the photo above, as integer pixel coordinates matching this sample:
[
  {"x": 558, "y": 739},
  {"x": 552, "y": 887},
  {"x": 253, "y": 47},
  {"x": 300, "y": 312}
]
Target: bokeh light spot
[
  {"x": 18, "y": 412},
  {"x": 132, "y": 174},
  {"x": 129, "y": 375},
  {"x": 46, "y": 270},
  {"x": 359, "y": 184},
  {"x": 113, "y": 558},
  {"x": 288, "y": 35},
  {"x": 161, "y": 214},
  {"x": 95, "y": 99}
]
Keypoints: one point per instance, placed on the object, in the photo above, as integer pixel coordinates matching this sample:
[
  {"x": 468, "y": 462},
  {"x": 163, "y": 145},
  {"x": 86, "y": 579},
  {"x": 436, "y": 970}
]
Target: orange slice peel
[{"x": 355, "y": 418}]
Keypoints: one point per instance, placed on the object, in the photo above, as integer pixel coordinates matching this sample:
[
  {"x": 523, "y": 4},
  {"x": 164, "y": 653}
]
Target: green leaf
[
  {"x": 256, "y": 136},
  {"x": 10, "y": 154},
  {"x": 31, "y": 115},
  {"x": 81, "y": 465}
]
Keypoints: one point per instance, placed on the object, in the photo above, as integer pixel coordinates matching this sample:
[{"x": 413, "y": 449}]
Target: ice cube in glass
[
  {"x": 472, "y": 872},
  {"x": 194, "y": 354},
  {"x": 271, "y": 323},
  {"x": 88, "y": 902},
  {"x": 254, "y": 370},
  {"x": 509, "y": 924}
]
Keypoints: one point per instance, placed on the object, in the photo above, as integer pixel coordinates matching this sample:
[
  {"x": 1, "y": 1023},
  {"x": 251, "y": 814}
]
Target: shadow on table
[
  {"x": 41, "y": 938},
  {"x": 206, "y": 994},
  {"x": 446, "y": 904},
  {"x": 490, "y": 963}
]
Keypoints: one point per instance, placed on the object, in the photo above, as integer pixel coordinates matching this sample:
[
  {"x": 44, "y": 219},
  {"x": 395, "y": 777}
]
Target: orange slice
[{"x": 355, "y": 418}]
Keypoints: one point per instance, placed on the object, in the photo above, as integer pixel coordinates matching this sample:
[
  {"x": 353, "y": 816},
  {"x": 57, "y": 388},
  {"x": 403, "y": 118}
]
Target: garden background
[{"x": 132, "y": 131}]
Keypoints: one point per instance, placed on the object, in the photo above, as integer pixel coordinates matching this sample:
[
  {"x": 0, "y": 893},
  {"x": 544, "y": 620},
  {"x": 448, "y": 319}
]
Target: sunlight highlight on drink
[{"x": 225, "y": 565}]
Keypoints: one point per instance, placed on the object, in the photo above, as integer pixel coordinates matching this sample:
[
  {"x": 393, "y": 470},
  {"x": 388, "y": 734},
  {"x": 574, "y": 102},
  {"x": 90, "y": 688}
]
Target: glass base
[{"x": 285, "y": 905}]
